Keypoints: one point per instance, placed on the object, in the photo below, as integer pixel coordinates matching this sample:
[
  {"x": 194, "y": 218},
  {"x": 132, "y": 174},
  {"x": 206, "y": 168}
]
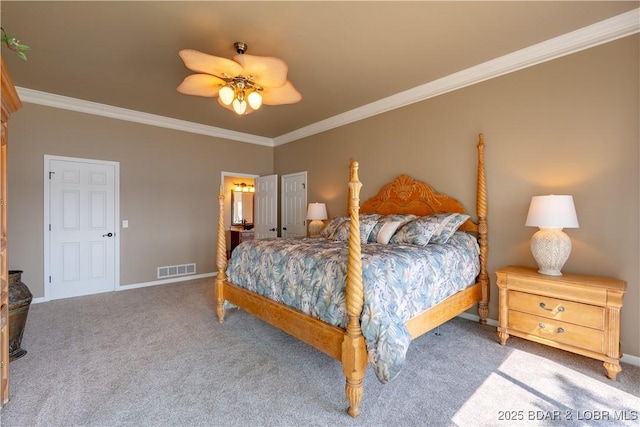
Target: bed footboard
[{"x": 347, "y": 346}]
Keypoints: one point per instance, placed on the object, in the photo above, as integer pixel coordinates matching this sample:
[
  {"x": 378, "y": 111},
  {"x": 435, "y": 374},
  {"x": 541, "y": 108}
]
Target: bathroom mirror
[{"x": 241, "y": 208}]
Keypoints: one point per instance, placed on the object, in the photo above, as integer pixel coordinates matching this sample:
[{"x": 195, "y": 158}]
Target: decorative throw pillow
[
  {"x": 342, "y": 232},
  {"x": 387, "y": 230},
  {"x": 330, "y": 228},
  {"x": 403, "y": 218},
  {"x": 367, "y": 222},
  {"x": 448, "y": 223},
  {"x": 416, "y": 232}
]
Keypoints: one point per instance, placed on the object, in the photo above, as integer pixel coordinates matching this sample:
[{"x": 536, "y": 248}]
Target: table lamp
[
  {"x": 317, "y": 213},
  {"x": 550, "y": 246}
]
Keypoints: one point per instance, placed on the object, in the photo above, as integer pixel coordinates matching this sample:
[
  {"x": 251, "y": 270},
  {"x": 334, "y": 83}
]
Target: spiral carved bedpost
[
  {"x": 354, "y": 352},
  {"x": 483, "y": 228},
  {"x": 221, "y": 258}
]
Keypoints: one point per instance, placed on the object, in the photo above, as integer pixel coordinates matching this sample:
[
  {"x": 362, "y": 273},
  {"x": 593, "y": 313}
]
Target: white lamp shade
[
  {"x": 317, "y": 211},
  {"x": 552, "y": 211}
]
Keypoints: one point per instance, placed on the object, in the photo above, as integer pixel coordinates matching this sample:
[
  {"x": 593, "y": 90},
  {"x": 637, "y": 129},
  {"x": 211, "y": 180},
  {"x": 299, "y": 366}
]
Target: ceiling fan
[{"x": 242, "y": 84}]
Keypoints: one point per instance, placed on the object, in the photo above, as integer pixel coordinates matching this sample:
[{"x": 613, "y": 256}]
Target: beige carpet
[{"x": 158, "y": 357}]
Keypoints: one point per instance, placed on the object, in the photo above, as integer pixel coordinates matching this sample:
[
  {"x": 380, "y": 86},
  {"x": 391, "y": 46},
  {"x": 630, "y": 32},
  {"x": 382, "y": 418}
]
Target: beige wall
[
  {"x": 569, "y": 126},
  {"x": 169, "y": 183}
]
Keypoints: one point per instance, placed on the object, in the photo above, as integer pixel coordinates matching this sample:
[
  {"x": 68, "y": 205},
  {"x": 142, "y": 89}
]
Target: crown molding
[
  {"x": 593, "y": 35},
  {"x": 82, "y": 106}
]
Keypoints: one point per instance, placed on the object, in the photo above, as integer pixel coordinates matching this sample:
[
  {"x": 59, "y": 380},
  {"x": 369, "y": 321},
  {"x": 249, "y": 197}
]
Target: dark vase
[{"x": 19, "y": 300}]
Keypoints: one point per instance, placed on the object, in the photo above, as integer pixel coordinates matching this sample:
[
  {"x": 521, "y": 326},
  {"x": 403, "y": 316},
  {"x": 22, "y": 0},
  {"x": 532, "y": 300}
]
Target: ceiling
[{"x": 341, "y": 55}]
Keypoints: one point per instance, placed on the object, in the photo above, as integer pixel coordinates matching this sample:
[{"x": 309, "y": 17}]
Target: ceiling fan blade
[
  {"x": 286, "y": 94},
  {"x": 205, "y": 63},
  {"x": 201, "y": 85},
  {"x": 266, "y": 70}
]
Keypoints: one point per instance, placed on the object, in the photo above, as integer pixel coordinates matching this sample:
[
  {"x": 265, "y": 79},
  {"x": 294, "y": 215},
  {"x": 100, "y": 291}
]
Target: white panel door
[
  {"x": 82, "y": 221},
  {"x": 294, "y": 205},
  {"x": 266, "y": 207}
]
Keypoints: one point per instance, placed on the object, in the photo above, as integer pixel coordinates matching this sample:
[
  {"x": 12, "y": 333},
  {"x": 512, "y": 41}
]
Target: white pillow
[{"x": 387, "y": 230}]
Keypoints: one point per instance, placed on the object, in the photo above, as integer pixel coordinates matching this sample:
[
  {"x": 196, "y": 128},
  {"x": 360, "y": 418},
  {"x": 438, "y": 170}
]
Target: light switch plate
[{"x": 125, "y": 223}]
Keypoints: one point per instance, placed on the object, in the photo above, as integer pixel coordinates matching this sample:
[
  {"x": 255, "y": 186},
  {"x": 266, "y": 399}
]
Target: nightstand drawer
[
  {"x": 557, "y": 331},
  {"x": 553, "y": 308},
  {"x": 559, "y": 289}
]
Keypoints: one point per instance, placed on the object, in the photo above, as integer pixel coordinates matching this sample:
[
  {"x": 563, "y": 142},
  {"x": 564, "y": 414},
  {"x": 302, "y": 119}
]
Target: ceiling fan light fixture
[
  {"x": 255, "y": 100},
  {"x": 245, "y": 79},
  {"x": 226, "y": 95}
]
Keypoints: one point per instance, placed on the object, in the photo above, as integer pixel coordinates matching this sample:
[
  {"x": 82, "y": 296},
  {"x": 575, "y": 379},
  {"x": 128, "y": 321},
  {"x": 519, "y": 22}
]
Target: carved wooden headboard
[{"x": 406, "y": 195}]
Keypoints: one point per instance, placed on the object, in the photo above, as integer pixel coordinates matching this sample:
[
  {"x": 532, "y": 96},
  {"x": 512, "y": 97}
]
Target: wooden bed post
[
  {"x": 354, "y": 351},
  {"x": 483, "y": 228},
  {"x": 221, "y": 258}
]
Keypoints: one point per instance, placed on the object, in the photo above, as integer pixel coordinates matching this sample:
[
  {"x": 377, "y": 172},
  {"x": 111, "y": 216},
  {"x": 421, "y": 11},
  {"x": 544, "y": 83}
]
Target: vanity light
[{"x": 245, "y": 188}]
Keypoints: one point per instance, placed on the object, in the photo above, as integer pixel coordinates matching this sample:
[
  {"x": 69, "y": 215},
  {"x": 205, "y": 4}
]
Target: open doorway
[{"x": 239, "y": 191}]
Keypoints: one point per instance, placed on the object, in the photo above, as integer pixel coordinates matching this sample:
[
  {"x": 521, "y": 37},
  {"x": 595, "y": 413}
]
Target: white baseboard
[
  {"x": 145, "y": 284},
  {"x": 630, "y": 359},
  {"x": 165, "y": 281},
  {"x": 626, "y": 358},
  {"x": 476, "y": 318}
]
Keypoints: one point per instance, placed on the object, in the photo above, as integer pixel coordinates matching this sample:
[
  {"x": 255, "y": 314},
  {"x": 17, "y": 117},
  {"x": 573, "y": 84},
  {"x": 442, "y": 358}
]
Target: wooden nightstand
[{"x": 576, "y": 313}]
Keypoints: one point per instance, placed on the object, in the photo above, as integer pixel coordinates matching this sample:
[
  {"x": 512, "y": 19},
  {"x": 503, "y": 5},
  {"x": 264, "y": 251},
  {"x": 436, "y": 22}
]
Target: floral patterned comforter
[{"x": 400, "y": 281}]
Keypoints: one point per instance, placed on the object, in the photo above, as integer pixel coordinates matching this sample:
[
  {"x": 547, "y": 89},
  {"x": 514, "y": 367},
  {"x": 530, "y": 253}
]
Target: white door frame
[
  {"x": 47, "y": 213},
  {"x": 223, "y": 175}
]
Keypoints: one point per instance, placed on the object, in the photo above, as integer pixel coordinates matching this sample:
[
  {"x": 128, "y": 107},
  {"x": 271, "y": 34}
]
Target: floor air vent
[{"x": 176, "y": 270}]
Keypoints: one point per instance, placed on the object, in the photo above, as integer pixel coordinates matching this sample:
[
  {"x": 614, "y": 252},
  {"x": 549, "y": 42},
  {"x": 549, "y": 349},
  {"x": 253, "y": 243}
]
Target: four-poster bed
[{"x": 347, "y": 344}]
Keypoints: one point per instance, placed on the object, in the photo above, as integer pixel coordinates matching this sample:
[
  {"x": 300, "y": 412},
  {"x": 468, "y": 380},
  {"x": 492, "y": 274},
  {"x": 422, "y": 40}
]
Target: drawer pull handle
[
  {"x": 551, "y": 331},
  {"x": 544, "y": 307}
]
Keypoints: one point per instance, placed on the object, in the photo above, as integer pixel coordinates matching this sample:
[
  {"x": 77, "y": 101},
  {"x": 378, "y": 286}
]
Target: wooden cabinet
[
  {"x": 10, "y": 103},
  {"x": 572, "y": 312},
  {"x": 239, "y": 236}
]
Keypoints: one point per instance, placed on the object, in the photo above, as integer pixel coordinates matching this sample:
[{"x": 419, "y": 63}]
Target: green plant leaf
[{"x": 14, "y": 45}]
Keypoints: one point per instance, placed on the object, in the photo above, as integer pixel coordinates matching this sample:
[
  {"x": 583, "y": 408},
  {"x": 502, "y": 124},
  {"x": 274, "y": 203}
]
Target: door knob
[
  {"x": 284, "y": 228},
  {"x": 108, "y": 235},
  {"x": 272, "y": 229}
]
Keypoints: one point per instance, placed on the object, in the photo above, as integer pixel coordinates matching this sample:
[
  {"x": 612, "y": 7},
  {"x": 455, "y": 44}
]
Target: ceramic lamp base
[
  {"x": 551, "y": 248},
  {"x": 315, "y": 227}
]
